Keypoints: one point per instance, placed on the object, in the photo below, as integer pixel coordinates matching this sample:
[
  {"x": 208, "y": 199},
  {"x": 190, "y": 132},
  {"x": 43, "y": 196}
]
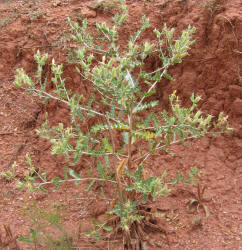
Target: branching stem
[
  {"x": 152, "y": 86},
  {"x": 71, "y": 180},
  {"x": 67, "y": 103}
]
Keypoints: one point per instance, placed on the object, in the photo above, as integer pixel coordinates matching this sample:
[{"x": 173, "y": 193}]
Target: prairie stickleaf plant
[{"x": 122, "y": 91}]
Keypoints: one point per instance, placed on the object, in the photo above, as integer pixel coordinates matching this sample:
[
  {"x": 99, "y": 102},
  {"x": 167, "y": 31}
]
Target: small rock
[
  {"x": 89, "y": 13},
  {"x": 104, "y": 5},
  {"x": 56, "y": 3},
  {"x": 196, "y": 222},
  {"x": 94, "y": 5},
  {"x": 80, "y": 13}
]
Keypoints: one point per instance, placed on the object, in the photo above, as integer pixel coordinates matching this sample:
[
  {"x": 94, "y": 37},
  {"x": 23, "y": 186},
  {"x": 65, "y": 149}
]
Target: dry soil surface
[{"x": 213, "y": 71}]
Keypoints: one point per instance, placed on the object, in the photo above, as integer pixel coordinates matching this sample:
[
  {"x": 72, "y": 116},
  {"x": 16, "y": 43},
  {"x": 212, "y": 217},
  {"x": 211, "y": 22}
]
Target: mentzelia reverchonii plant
[{"x": 122, "y": 95}]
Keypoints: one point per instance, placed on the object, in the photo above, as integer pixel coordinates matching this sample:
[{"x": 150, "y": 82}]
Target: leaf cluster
[{"x": 156, "y": 187}]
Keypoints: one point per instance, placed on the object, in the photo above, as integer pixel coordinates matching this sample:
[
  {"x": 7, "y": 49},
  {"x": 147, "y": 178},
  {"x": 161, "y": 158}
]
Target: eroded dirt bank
[{"x": 213, "y": 70}]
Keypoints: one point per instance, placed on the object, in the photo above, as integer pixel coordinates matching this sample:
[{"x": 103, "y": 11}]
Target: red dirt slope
[{"x": 213, "y": 70}]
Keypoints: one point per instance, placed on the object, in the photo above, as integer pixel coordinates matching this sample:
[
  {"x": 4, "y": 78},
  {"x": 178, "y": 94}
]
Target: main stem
[
  {"x": 130, "y": 137},
  {"x": 119, "y": 188},
  {"x": 130, "y": 117}
]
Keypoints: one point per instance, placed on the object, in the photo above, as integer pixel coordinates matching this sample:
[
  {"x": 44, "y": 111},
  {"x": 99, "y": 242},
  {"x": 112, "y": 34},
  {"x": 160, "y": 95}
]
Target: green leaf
[
  {"x": 125, "y": 138},
  {"x": 90, "y": 101},
  {"x": 145, "y": 106},
  {"x": 107, "y": 162},
  {"x": 24, "y": 239},
  {"x": 130, "y": 188},
  {"x": 89, "y": 185},
  {"x": 56, "y": 179},
  {"x": 107, "y": 147},
  {"x": 120, "y": 151},
  {"x": 108, "y": 228},
  {"x": 177, "y": 179},
  {"x": 130, "y": 80},
  {"x": 193, "y": 172},
  {"x": 100, "y": 170},
  {"x": 102, "y": 192},
  {"x": 145, "y": 198},
  {"x": 65, "y": 173},
  {"x": 33, "y": 234},
  {"x": 147, "y": 135},
  {"x": 163, "y": 176},
  {"x": 74, "y": 174},
  {"x": 43, "y": 189}
]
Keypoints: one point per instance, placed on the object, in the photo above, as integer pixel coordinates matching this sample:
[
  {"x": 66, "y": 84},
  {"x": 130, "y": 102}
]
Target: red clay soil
[{"x": 213, "y": 70}]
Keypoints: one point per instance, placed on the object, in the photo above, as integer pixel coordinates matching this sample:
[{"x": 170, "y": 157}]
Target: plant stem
[
  {"x": 110, "y": 133},
  {"x": 119, "y": 188},
  {"x": 71, "y": 180},
  {"x": 67, "y": 103},
  {"x": 152, "y": 86},
  {"x": 130, "y": 117}
]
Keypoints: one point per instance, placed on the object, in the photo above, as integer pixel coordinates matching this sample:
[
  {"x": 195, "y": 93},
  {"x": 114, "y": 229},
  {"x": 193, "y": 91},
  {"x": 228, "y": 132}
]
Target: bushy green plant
[{"x": 122, "y": 90}]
